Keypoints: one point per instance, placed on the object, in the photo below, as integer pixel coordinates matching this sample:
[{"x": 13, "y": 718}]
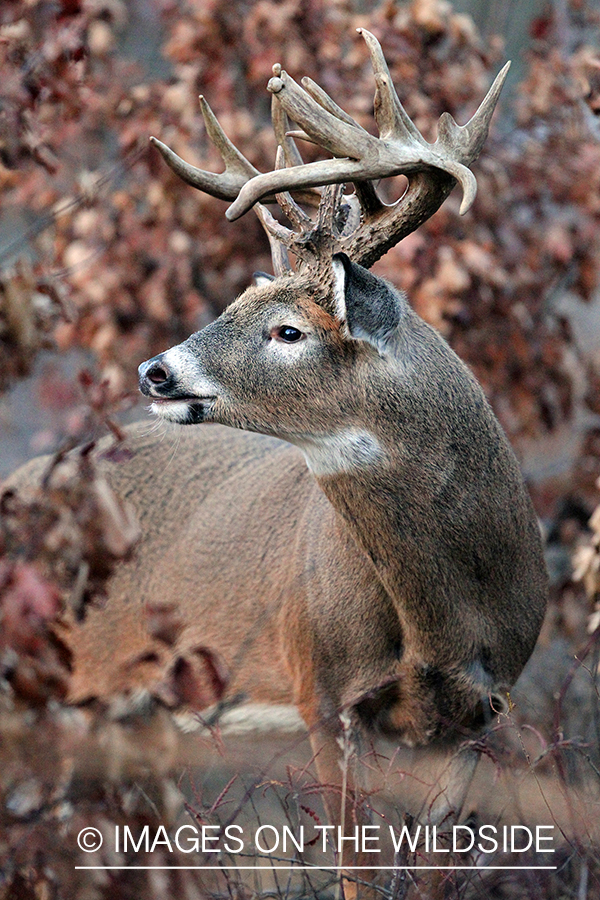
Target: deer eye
[{"x": 288, "y": 334}]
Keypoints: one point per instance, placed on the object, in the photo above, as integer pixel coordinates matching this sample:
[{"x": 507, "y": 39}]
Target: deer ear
[
  {"x": 262, "y": 278},
  {"x": 370, "y": 308}
]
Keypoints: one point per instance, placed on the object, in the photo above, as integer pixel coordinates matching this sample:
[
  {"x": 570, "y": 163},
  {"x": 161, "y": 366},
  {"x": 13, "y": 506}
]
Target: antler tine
[
  {"x": 391, "y": 117},
  {"x": 368, "y": 198},
  {"x": 281, "y": 129},
  {"x": 286, "y": 202},
  {"x": 329, "y": 210},
  {"x": 279, "y": 239},
  {"x": 365, "y": 194},
  {"x": 325, "y": 101},
  {"x": 340, "y": 136},
  {"x": 238, "y": 170},
  {"x": 284, "y": 138},
  {"x": 348, "y": 215},
  {"x": 323, "y": 172},
  {"x": 233, "y": 159},
  {"x": 471, "y": 137}
]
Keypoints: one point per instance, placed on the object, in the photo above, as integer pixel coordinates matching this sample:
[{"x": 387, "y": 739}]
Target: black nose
[
  {"x": 157, "y": 374},
  {"x": 154, "y": 375}
]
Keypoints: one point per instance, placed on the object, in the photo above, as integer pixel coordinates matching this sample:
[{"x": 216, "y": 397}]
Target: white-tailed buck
[{"x": 359, "y": 537}]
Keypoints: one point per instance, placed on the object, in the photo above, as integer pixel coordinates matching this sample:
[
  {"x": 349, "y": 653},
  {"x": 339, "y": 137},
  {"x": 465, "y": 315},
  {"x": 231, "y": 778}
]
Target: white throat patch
[{"x": 342, "y": 451}]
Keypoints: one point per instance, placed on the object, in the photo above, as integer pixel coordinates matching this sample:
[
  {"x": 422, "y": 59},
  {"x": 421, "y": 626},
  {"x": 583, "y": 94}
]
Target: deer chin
[{"x": 191, "y": 411}]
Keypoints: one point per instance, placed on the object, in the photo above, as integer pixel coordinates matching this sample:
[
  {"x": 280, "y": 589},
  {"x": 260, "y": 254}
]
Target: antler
[
  {"x": 238, "y": 170},
  {"x": 360, "y": 224}
]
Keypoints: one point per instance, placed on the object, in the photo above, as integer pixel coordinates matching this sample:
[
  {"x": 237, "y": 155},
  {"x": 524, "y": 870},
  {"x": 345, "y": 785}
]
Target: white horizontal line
[{"x": 327, "y": 868}]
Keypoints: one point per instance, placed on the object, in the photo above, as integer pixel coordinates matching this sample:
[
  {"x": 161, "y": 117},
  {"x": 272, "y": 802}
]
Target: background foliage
[{"x": 107, "y": 258}]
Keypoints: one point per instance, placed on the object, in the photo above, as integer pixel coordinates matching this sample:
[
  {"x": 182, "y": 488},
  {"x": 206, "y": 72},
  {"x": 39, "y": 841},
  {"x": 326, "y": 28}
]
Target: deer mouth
[
  {"x": 166, "y": 401},
  {"x": 181, "y": 410}
]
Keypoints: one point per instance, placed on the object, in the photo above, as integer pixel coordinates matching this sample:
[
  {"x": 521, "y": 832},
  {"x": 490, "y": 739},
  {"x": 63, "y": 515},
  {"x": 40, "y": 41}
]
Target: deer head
[{"x": 327, "y": 323}]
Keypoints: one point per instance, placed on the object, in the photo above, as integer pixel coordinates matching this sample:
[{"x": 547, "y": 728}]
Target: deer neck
[
  {"x": 389, "y": 500},
  {"x": 371, "y": 508},
  {"x": 362, "y": 483}
]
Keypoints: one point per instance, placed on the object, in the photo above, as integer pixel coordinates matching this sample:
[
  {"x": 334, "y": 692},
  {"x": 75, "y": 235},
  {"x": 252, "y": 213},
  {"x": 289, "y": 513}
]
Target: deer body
[
  {"x": 388, "y": 565},
  {"x": 190, "y": 554},
  {"x": 400, "y": 566}
]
